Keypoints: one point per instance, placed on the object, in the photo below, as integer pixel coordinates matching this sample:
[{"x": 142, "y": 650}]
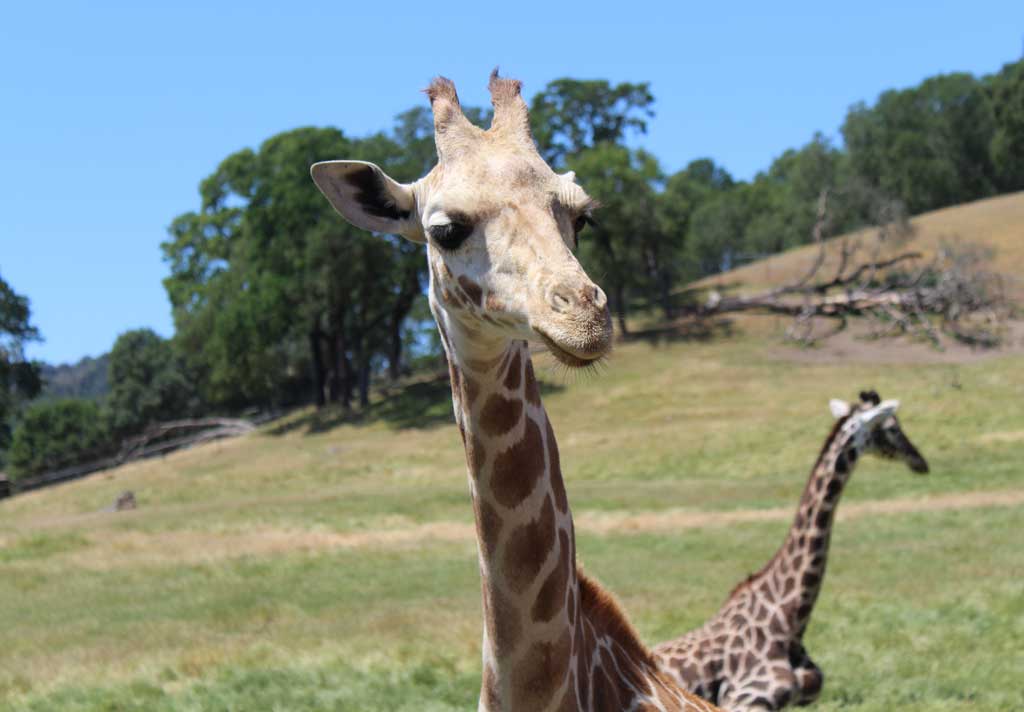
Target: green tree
[
  {"x": 247, "y": 276},
  {"x": 56, "y": 434},
  {"x": 624, "y": 244},
  {"x": 684, "y": 193},
  {"x": 715, "y": 237},
  {"x": 1007, "y": 146},
  {"x": 148, "y": 383},
  {"x": 19, "y": 377},
  {"x": 928, "y": 145},
  {"x": 782, "y": 203},
  {"x": 570, "y": 115},
  {"x": 273, "y": 292}
]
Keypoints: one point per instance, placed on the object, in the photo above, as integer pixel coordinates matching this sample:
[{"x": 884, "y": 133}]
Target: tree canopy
[
  {"x": 56, "y": 434},
  {"x": 570, "y": 115},
  {"x": 277, "y": 300},
  {"x": 19, "y": 378},
  {"x": 149, "y": 383}
]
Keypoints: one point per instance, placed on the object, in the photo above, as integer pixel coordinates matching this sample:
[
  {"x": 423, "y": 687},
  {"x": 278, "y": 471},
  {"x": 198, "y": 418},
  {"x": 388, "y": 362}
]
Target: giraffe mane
[
  {"x": 746, "y": 583},
  {"x": 836, "y": 427},
  {"x": 604, "y": 612},
  {"x": 751, "y": 578}
]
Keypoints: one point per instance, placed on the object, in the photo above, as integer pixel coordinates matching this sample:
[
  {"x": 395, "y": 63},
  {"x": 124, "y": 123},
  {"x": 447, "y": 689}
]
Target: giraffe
[
  {"x": 500, "y": 227},
  {"x": 750, "y": 655}
]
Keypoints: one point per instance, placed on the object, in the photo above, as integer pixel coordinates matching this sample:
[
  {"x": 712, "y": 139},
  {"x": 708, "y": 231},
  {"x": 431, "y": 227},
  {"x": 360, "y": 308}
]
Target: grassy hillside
[
  {"x": 997, "y": 223},
  {"x": 323, "y": 564}
]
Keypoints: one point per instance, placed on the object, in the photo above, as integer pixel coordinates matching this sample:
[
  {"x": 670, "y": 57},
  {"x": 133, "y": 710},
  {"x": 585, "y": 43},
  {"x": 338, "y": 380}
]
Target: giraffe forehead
[{"x": 494, "y": 180}]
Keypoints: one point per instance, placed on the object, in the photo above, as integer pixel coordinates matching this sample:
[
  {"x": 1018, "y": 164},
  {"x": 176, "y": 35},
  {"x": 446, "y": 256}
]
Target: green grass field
[{"x": 330, "y": 565}]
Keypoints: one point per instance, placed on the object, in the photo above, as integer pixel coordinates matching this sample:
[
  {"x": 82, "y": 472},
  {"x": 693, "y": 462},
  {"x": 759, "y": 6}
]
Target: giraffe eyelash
[
  {"x": 450, "y": 236},
  {"x": 578, "y": 224}
]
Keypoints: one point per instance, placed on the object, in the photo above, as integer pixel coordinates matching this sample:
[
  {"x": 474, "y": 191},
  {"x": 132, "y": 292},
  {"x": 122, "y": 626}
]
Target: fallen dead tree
[
  {"x": 158, "y": 439},
  {"x": 166, "y": 437},
  {"x": 951, "y": 293}
]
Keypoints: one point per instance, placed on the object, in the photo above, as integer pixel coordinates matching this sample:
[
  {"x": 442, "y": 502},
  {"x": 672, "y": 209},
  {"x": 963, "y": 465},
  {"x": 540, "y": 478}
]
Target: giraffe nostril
[{"x": 600, "y": 299}]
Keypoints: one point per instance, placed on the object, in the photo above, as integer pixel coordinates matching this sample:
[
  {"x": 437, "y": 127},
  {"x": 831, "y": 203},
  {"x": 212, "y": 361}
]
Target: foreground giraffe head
[
  {"x": 885, "y": 437},
  {"x": 500, "y": 228}
]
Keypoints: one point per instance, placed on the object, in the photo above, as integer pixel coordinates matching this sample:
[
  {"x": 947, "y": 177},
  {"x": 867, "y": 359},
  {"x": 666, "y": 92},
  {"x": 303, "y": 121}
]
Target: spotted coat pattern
[
  {"x": 750, "y": 655},
  {"x": 554, "y": 639}
]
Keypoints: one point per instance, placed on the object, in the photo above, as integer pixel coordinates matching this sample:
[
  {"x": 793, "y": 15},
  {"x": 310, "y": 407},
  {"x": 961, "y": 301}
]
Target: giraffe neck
[
  {"x": 798, "y": 567},
  {"x": 553, "y": 638},
  {"x": 524, "y": 527}
]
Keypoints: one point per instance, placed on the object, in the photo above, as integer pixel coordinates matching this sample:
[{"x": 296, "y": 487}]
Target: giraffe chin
[{"x": 565, "y": 357}]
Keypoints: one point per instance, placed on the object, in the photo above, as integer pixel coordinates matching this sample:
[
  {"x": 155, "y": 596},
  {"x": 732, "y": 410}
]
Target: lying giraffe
[
  {"x": 750, "y": 655},
  {"x": 500, "y": 228}
]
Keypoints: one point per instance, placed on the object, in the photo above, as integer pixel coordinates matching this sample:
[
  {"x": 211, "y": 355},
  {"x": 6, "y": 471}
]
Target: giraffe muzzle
[{"x": 578, "y": 337}]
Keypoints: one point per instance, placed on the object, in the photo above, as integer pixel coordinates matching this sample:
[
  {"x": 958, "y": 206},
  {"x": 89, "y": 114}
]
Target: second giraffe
[{"x": 750, "y": 655}]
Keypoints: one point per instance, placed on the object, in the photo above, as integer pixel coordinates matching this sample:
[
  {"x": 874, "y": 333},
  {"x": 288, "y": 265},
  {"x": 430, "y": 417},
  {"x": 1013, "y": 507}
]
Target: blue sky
[{"x": 113, "y": 112}]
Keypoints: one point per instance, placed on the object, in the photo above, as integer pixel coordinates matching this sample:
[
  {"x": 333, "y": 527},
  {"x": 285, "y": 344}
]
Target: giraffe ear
[
  {"x": 890, "y": 406},
  {"x": 839, "y": 408},
  {"x": 368, "y": 198}
]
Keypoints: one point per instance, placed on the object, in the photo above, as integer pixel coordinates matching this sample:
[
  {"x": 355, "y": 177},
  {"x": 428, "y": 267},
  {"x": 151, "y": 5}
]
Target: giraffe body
[
  {"x": 500, "y": 227},
  {"x": 750, "y": 655}
]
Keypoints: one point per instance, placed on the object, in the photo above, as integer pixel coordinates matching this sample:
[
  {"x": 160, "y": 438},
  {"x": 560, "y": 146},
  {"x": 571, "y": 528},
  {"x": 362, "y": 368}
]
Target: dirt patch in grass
[
  {"x": 133, "y": 548},
  {"x": 117, "y": 549},
  {"x": 674, "y": 520},
  {"x": 855, "y": 346},
  {"x": 1004, "y": 436}
]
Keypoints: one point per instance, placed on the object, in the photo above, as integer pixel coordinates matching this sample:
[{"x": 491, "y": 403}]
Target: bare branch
[{"x": 951, "y": 294}]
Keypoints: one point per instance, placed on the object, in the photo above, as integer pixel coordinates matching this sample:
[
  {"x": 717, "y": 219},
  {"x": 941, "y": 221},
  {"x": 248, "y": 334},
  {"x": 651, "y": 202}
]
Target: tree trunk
[
  {"x": 665, "y": 285},
  {"x": 364, "y": 379},
  {"x": 334, "y": 382},
  {"x": 402, "y": 306},
  {"x": 318, "y": 366},
  {"x": 620, "y": 307},
  {"x": 344, "y": 367},
  {"x": 395, "y": 354}
]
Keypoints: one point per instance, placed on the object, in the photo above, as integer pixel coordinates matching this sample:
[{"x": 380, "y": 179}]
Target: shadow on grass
[
  {"x": 423, "y": 404},
  {"x": 681, "y": 330}
]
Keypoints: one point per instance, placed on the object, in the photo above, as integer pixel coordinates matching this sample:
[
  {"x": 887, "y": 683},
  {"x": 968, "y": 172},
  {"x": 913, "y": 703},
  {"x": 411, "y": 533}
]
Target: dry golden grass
[{"x": 997, "y": 223}]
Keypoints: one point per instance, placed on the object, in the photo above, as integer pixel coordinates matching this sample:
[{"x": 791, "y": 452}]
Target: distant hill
[
  {"x": 85, "y": 379},
  {"x": 996, "y": 223}
]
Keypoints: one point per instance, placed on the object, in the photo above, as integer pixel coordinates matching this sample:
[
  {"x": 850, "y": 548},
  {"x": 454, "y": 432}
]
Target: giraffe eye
[
  {"x": 577, "y": 226},
  {"x": 450, "y": 236}
]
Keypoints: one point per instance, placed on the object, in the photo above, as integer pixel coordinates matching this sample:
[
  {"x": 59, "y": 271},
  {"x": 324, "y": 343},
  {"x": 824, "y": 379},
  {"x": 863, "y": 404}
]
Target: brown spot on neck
[
  {"x": 472, "y": 290},
  {"x": 528, "y": 547},
  {"x": 504, "y": 627},
  {"x": 476, "y": 455},
  {"x": 540, "y": 673},
  {"x": 551, "y": 596},
  {"x": 488, "y": 525},
  {"x": 500, "y": 414},
  {"x": 517, "y": 470}
]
